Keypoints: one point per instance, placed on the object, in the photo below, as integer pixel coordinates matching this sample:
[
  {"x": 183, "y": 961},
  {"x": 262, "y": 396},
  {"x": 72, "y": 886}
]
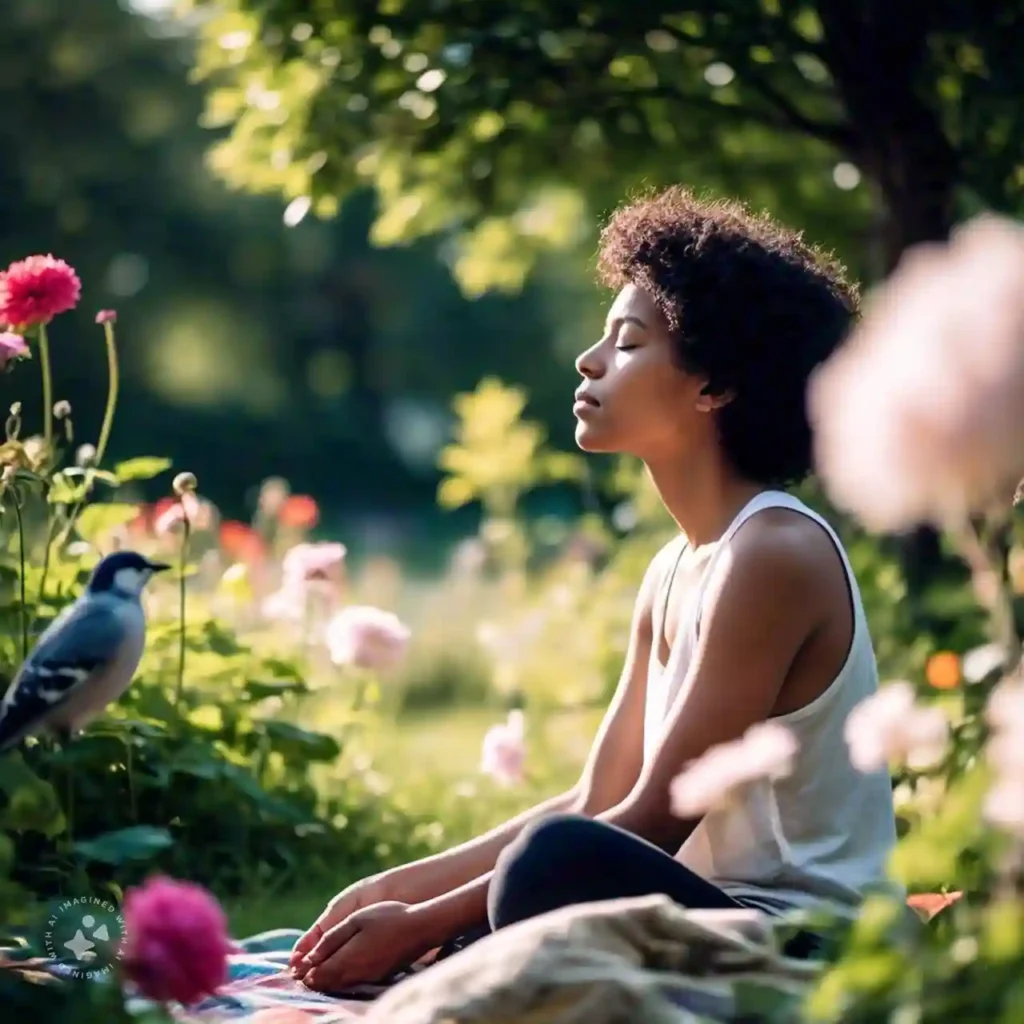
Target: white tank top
[{"x": 821, "y": 835}]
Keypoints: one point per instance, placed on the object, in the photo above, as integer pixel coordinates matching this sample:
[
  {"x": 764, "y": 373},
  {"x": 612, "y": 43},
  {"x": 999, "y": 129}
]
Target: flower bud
[
  {"x": 185, "y": 483},
  {"x": 61, "y": 409}
]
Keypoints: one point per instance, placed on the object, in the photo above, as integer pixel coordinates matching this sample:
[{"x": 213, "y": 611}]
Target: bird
[{"x": 86, "y": 657}]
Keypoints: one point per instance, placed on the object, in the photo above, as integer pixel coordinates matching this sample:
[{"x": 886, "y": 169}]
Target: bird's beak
[{"x": 158, "y": 566}]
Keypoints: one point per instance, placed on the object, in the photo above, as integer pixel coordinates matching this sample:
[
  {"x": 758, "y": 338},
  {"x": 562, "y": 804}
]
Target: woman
[{"x": 752, "y": 613}]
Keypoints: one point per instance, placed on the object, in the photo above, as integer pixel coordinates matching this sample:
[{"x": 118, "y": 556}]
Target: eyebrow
[{"x": 635, "y": 320}]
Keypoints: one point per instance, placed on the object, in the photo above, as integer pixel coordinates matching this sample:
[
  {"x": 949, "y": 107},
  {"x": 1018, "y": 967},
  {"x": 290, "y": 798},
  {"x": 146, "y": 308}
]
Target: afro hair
[{"x": 750, "y": 305}]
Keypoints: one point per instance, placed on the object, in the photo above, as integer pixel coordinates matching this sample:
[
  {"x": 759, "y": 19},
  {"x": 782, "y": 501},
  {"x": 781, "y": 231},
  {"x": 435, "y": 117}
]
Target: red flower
[
  {"x": 241, "y": 542},
  {"x": 299, "y": 511},
  {"x": 35, "y": 290}
]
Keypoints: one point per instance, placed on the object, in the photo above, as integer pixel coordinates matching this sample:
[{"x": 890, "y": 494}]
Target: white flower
[
  {"x": 503, "y": 752},
  {"x": 766, "y": 750},
  {"x": 980, "y": 662},
  {"x": 920, "y": 415},
  {"x": 891, "y": 727}
]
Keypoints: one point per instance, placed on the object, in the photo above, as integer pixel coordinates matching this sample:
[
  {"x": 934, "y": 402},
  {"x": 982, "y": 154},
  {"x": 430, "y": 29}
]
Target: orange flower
[
  {"x": 241, "y": 542},
  {"x": 299, "y": 511},
  {"x": 943, "y": 670}
]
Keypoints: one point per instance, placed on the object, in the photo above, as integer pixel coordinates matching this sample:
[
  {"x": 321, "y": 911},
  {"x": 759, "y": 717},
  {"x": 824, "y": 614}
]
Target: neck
[{"x": 701, "y": 492}]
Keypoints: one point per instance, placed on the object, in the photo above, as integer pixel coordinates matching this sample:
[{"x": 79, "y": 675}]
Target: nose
[{"x": 589, "y": 364}]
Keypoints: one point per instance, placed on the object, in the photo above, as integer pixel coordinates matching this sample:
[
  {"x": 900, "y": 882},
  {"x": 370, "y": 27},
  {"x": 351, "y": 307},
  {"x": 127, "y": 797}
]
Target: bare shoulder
[{"x": 787, "y": 553}]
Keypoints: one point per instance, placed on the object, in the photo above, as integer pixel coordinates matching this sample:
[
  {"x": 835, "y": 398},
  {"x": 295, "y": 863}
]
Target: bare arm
[
  {"x": 611, "y": 773},
  {"x": 761, "y": 609}
]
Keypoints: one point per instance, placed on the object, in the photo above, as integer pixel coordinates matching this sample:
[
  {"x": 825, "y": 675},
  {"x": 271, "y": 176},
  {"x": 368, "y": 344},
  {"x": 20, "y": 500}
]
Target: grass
[{"x": 429, "y": 756}]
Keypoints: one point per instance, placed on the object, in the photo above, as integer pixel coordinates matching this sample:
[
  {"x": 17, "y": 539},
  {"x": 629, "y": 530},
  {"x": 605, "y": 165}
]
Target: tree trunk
[{"x": 876, "y": 51}]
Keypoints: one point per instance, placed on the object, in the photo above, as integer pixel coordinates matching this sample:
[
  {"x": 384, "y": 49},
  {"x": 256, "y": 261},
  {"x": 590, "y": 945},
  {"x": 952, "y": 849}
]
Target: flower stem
[
  {"x": 186, "y": 533},
  {"x": 112, "y": 389},
  {"x": 21, "y": 575},
  {"x": 44, "y": 366}
]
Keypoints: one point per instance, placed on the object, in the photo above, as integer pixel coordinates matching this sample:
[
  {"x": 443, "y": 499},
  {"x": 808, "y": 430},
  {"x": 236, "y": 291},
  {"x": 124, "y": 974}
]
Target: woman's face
[{"x": 634, "y": 398}]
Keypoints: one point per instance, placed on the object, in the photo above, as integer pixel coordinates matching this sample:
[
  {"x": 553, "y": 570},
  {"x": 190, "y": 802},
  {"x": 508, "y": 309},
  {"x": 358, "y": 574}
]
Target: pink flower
[
  {"x": 12, "y": 346},
  {"x": 503, "y": 752},
  {"x": 920, "y": 415},
  {"x": 366, "y": 637},
  {"x": 765, "y": 750},
  {"x": 309, "y": 562},
  {"x": 33, "y": 291},
  {"x": 175, "y": 941},
  {"x": 891, "y": 727},
  {"x": 172, "y": 512},
  {"x": 106, "y": 316}
]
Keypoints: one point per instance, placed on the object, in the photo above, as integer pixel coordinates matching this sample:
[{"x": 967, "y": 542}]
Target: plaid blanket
[{"x": 259, "y": 984}]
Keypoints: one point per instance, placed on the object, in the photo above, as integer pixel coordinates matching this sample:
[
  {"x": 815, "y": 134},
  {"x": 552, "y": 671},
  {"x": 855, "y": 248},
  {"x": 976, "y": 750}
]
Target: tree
[
  {"x": 495, "y": 117},
  {"x": 499, "y": 121}
]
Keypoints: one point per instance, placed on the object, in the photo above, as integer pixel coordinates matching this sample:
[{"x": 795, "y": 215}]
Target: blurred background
[{"x": 296, "y": 344}]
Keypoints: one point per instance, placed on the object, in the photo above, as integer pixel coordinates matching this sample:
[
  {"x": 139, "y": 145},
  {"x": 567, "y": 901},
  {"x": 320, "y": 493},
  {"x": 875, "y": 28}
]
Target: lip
[
  {"x": 584, "y": 398},
  {"x": 583, "y": 407}
]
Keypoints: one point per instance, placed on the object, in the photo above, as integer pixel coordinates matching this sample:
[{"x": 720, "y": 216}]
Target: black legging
[
  {"x": 564, "y": 860},
  {"x": 568, "y": 859}
]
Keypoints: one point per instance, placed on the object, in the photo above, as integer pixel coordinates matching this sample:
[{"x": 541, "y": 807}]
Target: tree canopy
[{"x": 503, "y": 123}]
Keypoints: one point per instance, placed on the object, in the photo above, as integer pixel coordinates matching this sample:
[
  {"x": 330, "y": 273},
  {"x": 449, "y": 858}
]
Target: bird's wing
[{"x": 88, "y": 639}]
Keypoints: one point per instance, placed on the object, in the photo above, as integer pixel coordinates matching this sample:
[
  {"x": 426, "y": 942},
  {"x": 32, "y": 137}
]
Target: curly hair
[{"x": 750, "y": 305}]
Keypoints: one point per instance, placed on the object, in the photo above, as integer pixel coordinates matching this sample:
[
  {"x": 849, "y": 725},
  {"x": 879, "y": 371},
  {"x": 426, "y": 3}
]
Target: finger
[
  {"x": 305, "y": 943},
  {"x": 332, "y": 941}
]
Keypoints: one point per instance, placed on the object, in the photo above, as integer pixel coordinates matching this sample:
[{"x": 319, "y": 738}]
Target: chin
[{"x": 590, "y": 440}]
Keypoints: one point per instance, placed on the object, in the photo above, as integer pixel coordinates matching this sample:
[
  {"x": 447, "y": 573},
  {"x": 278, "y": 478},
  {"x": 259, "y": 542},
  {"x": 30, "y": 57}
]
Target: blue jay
[{"x": 86, "y": 657}]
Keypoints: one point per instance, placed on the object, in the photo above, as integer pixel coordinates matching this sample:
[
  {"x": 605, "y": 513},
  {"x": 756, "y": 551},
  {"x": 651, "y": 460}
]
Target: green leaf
[
  {"x": 32, "y": 804},
  {"x": 96, "y": 520},
  {"x": 256, "y": 689},
  {"x": 63, "y": 491},
  {"x": 143, "y": 468},
  {"x": 297, "y": 744},
  {"x": 140, "y": 842}
]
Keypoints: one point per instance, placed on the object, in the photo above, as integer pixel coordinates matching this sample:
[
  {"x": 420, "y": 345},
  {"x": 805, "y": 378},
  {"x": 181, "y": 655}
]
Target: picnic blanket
[
  {"x": 259, "y": 982},
  {"x": 643, "y": 959}
]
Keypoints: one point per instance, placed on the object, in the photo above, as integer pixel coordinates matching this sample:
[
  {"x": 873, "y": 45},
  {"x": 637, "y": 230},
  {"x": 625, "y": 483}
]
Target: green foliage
[{"x": 504, "y": 122}]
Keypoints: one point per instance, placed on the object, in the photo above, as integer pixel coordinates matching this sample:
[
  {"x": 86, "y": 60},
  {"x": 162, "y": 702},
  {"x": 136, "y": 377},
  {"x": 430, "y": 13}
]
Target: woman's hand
[
  {"x": 368, "y": 946},
  {"x": 361, "y": 894}
]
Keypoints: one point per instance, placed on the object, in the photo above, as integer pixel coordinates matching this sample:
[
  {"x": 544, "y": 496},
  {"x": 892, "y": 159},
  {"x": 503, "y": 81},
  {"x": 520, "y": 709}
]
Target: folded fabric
[{"x": 643, "y": 959}]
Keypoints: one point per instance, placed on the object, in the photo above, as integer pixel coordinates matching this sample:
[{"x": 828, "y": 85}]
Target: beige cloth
[{"x": 637, "y": 960}]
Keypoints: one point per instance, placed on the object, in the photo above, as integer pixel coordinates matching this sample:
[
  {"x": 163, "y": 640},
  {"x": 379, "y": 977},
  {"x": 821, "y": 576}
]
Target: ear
[{"x": 708, "y": 401}]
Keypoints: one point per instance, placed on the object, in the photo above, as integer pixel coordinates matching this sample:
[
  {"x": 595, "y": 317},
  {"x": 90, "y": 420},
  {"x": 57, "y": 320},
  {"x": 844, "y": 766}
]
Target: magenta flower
[
  {"x": 33, "y": 291},
  {"x": 12, "y": 346},
  {"x": 175, "y": 941},
  {"x": 106, "y": 316}
]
